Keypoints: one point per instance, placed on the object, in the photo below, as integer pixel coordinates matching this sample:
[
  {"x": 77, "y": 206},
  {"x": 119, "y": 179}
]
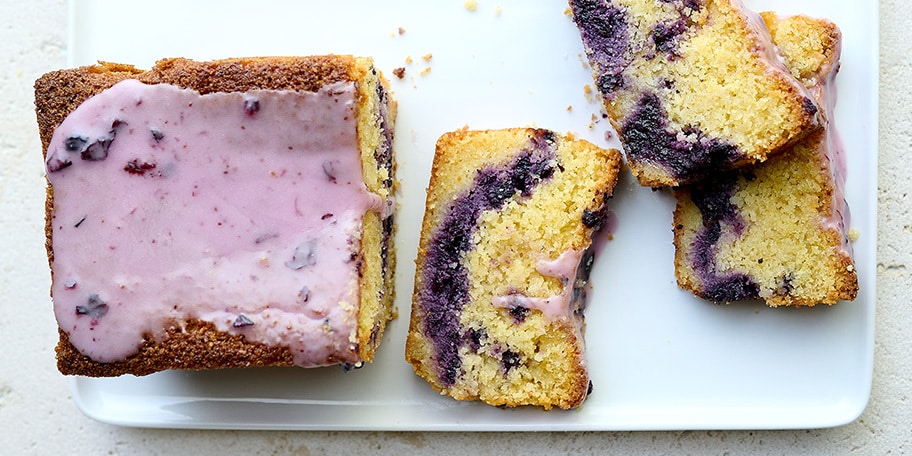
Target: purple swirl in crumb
[
  {"x": 384, "y": 156},
  {"x": 604, "y": 31},
  {"x": 648, "y": 138},
  {"x": 713, "y": 199},
  {"x": 446, "y": 283},
  {"x": 665, "y": 34}
]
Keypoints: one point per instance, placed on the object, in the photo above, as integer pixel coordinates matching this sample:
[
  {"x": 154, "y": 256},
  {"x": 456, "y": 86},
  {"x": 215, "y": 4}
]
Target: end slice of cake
[
  {"x": 777, "y": 231},
  {"x": 692, "y": 87},
  {"x": 231, "y": 213},
  {"x": 503, "y": 265}
]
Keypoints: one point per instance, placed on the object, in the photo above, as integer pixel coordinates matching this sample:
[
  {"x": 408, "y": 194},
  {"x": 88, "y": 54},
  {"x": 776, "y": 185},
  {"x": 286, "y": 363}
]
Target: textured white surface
[{"x": 39, "y": 418}]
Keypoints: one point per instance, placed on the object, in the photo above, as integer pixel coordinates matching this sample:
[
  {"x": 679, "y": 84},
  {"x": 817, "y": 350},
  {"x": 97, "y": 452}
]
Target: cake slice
[
  {"x": 205, "y": 215},
  {"x": 503, "y": 264},
  {"x": 777, "y": 231},
  {"x": 692, "y": 87}
]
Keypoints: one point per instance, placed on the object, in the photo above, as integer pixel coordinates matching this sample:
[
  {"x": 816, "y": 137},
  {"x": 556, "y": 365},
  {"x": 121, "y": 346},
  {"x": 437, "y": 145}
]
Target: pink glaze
[
  {"x": 239, "y": 204},
  {"x": 557, "y": 307},
  {"x": 833, "y": 152},
  {"x": 769, "y": 53}
]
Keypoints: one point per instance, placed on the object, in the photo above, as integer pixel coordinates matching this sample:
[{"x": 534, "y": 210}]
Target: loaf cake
[
  {"x": 230, "y": 213},
  {"x": 777, "y": 231},
  {"x": 692, "y": 87},
  {"x": 503, "y": 264}
]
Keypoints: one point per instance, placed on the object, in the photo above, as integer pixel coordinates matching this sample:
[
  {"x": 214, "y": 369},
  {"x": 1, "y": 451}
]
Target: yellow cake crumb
[
  {"x": 716, "y": 61},
  {"x": 784, "y": 242},
  {"x": 471, "y": 5},
  {"x": 547, "y": 366},
  {"x": 854, "y": 234}
]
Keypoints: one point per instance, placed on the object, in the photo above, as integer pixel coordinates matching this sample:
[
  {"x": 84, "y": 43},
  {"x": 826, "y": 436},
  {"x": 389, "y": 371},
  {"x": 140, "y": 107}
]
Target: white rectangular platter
[{"x": 659, "y": 358}]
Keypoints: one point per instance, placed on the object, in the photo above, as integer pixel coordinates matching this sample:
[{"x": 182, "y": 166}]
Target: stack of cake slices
[{"x": 734, "y": 111}]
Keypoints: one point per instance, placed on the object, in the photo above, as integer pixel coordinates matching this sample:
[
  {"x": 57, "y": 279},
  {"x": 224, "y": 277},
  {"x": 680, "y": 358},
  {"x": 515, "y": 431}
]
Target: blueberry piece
[
  {"x": 76, "y": 143},
  {"x": 329, "y": 170},
  {"x": 664, "y": 35},
  {"x": 388, "y": 224},
  {"x": 80, "y": 221},
  {"x": 519, "y": 313},
  {"x": 809, "y": 106},
  {"x": 98, "y": 150},
  {"x": 95, "y": 308},
  {"x": 475, "y": 337},
  {"x": 304, "y": 255},
  {"x": 304, "y": 294},
  {"x": 348, "y": 367},
  {"x": 135, "y": 167},
  {"x": 509, "y": 359},
  {"x": 384, "y": 152},
  {"x": 714, "y": 199},
  {"x": 609, "y": 83},
  {"x": 785, "y": 285},
  {"x": 735, "y": 287},
  {"x": 157, "y": 135},
  {"x": 374, "y": 335},
  {"x": 585, "y": 266},
  {"x": 265, "y": 237},
  {"x": 251, "y": 106},
  {"x": 55, "y": 163},
  {"x": 242, "y": 321},
  {"x": 592, "y": 219}
]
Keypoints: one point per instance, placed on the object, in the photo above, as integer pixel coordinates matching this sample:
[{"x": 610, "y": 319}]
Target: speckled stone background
[{"x": 37, "y": 415}]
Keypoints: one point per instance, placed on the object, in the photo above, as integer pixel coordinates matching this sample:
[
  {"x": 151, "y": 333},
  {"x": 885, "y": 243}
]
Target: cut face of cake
[
  {"x": 503, "y": 264},
  {"x": 218, "y": 214},
  {"x": 777, "y": 231},
  {"x": 692, "y": 87}
]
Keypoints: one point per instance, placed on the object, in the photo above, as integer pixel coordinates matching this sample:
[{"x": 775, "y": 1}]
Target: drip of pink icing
[
  {"x": 557, "y": 307},
  {"x": 239, "y": 209},
  {"x": 822, "y": 85},
  {"x": 833, "y": 151}
]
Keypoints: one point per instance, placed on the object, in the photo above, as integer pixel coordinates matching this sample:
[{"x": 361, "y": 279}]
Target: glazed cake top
[{"x": 239, "y": 209}]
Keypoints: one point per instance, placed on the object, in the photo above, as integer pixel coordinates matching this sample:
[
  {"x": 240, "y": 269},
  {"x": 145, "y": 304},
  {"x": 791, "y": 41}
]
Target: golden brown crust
[
  {"x": 198, "y": 346},
  {"x": 58, "y": 93}
]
